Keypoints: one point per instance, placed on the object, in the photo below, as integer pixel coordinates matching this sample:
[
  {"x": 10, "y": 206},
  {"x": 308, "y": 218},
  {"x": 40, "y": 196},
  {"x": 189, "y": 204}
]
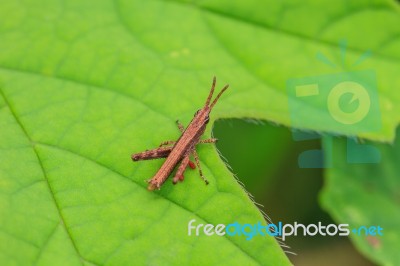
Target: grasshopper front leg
[{"x": 166, "y": 143}]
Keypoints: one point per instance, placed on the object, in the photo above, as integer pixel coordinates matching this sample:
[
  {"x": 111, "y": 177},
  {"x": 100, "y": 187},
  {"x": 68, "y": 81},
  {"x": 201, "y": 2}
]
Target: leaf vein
[
  {"x": 136, "y": 183},
  {"x": 44, "y": 174}
]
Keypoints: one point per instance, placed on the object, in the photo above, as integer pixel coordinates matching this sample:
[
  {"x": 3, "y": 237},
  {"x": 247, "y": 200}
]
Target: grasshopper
[{"x": 178, "y": 152}]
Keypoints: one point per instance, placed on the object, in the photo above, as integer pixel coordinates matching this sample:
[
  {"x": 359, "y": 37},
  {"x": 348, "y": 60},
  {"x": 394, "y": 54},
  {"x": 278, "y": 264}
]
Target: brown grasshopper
[{"x": 180, "y": 150}]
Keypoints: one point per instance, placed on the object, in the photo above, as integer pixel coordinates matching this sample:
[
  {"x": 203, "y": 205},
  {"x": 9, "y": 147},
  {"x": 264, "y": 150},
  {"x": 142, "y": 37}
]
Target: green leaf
[
  {"x": 367, "y": 195},
  {"x": 70, "y": 192},
  {"x": 80, "y": 92},
  {"x": 86, "y": 83}
]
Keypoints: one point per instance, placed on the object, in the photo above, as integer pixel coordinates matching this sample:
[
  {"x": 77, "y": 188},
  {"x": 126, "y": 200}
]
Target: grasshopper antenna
[
  {"x": 219, "y": 95},
  {"x": 211, "y": 91}
]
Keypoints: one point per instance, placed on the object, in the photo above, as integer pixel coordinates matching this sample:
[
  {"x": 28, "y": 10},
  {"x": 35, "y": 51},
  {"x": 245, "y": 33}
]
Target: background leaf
[{"x": 367, "y": 195}]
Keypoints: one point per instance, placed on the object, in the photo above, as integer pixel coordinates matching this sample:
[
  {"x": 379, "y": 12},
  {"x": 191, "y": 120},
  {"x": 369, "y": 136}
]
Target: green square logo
[{"x": 343, "y": 102}]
